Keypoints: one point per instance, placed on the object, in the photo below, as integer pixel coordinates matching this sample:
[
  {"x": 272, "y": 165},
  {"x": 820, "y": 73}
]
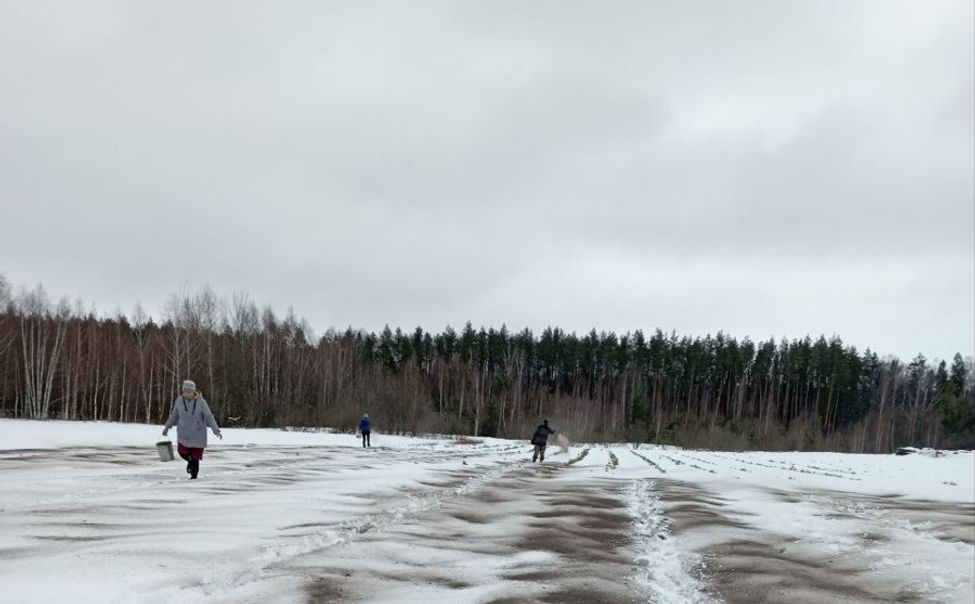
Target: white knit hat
[{"x": 189, "y": 385}]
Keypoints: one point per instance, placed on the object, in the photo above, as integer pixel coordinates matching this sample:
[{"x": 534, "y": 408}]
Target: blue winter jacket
[{"x": 364, "y": 425}]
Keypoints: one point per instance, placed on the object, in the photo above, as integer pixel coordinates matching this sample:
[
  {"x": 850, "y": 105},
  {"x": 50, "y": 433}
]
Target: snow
[
  {"x": 26, "y": 434},
  {"x": 89, "y": 514},
  {"x": 666, "y": 568}
]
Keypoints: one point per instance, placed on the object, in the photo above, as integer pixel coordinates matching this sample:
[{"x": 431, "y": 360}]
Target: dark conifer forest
[{"x": 60, "y": 361}]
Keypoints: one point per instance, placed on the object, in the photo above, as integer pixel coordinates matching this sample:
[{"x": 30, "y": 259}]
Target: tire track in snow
[{"x": 666, "y": 573}]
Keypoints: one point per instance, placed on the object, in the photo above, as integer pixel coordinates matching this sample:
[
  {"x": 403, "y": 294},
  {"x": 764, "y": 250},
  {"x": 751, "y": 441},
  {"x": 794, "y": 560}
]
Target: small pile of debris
[
  {"x": 914, "y": 450},
  {"x": 466, "y": 440}
]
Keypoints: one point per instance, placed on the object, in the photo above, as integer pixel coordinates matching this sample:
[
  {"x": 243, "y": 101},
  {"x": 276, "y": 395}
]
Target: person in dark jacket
[
  {"x": 365, "y": 428},
  {"x": 192, "y": 416},
  {"x": 540, "y": 440}
]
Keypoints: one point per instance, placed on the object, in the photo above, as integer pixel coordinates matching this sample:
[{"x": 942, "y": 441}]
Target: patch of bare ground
[
  {"x": 754, "y": 572},
  {"x": 70, "y": 538},
  {"x": 588, "y": 530},
  {"x": 578, "y": 595},
  {"x": 11, "y": 553},
  {"x": 689, "y": 507},
  {"x": 527, "y": 538},
  {"x": 675, "y": 490},
  {"x": 324, "y": 590},
  {"x": 944, "y": 520},
  {"x": 748, "y": 565},
  {"x": 470, "y": 517},
  {"x": 417, "y": 574},
  {"x": 691, "y": 514},
  {"x": 948, "y": 521},
  {"x": 537, "y": 576}
]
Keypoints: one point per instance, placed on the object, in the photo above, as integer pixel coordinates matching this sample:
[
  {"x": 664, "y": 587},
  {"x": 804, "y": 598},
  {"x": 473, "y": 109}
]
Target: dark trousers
[
  {"x": 365, "y": 439},
  {"x": 539, "y": 453}
]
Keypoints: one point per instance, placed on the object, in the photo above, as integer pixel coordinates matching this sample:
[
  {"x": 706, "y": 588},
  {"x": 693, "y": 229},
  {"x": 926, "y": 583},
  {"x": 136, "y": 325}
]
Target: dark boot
[{"x": 194, "y": 468}]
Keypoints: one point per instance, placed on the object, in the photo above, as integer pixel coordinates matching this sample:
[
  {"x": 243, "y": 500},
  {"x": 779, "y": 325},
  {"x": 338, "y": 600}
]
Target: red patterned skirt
[{"x": 193, "y": 452}]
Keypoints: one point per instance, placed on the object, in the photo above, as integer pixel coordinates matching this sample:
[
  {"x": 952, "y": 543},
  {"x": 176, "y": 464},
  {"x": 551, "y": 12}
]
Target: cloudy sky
[{"x": 763, "y": 168}]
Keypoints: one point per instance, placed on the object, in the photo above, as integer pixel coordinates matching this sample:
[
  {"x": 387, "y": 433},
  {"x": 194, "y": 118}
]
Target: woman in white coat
[{"x": 192, "y": 416}]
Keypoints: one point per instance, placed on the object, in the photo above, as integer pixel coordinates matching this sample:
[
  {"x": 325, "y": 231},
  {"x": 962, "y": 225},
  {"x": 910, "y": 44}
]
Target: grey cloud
[{"x": 760, "y": 167}]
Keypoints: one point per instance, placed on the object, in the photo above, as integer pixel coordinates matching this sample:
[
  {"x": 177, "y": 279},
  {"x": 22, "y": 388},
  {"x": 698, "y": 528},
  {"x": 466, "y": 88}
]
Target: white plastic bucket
[{"x": 165, "y": 450}]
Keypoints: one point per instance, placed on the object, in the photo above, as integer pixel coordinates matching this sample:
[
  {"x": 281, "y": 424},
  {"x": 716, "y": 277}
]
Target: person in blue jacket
[{"x": 365, "y": 429}]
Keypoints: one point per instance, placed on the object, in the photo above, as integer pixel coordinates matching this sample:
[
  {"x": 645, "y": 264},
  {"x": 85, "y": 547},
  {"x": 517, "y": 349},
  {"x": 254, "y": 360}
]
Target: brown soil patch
[
  {"x": 325, "y": 590},
  {"x": 582, "y": 595},
  {"x": 752, "y": 572}
]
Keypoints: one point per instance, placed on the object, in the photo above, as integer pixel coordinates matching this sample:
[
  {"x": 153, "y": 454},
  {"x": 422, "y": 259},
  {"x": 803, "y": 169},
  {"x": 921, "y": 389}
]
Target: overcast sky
[{"x": 775, "y": 168}]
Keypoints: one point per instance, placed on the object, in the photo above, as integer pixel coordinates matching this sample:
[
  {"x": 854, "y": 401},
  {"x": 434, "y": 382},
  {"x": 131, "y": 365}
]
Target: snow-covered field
[{"x": 89, "y": 514}]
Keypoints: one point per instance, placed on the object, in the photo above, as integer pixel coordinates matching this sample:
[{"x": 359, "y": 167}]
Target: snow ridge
[{"x": 664, "y": 571}]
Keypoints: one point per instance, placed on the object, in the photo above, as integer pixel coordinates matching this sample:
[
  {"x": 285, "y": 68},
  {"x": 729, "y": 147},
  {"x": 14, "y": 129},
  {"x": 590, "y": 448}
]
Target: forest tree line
[{"x": 58, "y": 360}]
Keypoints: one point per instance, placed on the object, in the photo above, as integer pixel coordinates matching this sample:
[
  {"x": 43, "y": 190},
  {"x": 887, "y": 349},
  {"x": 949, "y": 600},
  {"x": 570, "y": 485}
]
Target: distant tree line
[{"x": 58, "y": 360}]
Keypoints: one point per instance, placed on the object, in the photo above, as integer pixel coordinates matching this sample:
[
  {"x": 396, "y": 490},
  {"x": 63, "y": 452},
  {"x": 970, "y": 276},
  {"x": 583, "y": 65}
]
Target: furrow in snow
[{"x": 665, "y": 572}]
